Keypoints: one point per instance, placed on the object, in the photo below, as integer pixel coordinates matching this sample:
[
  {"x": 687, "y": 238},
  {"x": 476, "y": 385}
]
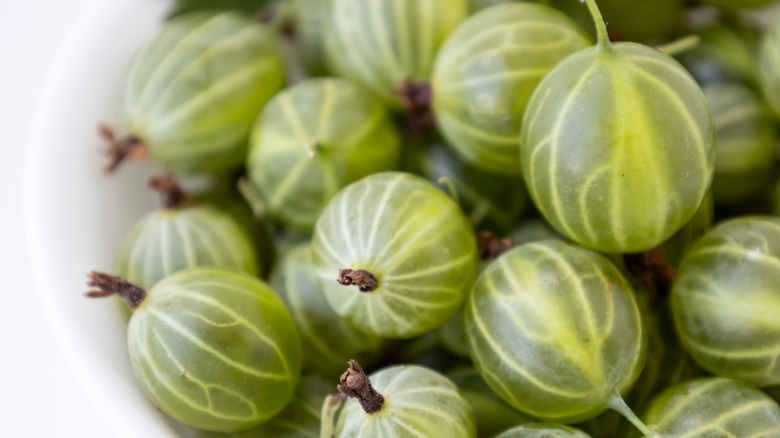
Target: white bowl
[{"x": 76, "y": 215}]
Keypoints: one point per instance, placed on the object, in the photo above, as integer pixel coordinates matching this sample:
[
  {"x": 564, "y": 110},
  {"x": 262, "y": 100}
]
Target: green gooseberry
[
  {"x": 618, "y": 146},
  {"x": 747, "y": 138},
  {"x": 726, "y": 300},
  {"x": 213, "y": 348},
  {"x": 724, "y": 54},
  {"x": 194, "y": 90},
  {"x": 713, "y": 407},
  {"x": 311, "y": 140},
  {"x": 406, "y": 246},
  {"x": 543, "y": 430},
  {"x": 309, "y": 41},
  {"x": 183, "y": 235},
  {"x": 555, "y": 331},
  {"x": 492, "y": 414},
  {"x": 491, "y": 202},
  {"x": 486, "y": 72},
  {"x": 402, "y": 401},
  {"x": 383, "y": 43},
  {"x": 327, "y": 339},
  {"x": 769, "y": 65}
]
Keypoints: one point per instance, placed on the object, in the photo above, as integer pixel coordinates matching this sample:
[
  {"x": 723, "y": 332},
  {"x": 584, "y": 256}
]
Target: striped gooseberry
[
  {"x": 543, "y": 430},
  {"x": 555, "y": 331},
  {"x": 618, "y": 145},
  {"x": 747, "y": 136},
  {"x": 193, "y": 92},
  {"x": 486, "y": 72},
  {"x": 311, "y": 140},
  {"x": 491, "y": 202},
  {"x": 769, "y": 65},
  {"x": 327, "y": 339},
  {"x": 182, "y": 235},
  {"x": 383, "y": 43},
  {"x": 713, "y": 407},
  {"x": 492, "y": 414},
  {"x": 726, "y": 300},
  {"x": 675, "y": 247},
  {"x": 213, "y": 348},
  {"x": 402, "y": 401},
  {"x": 404, "y": 244}
]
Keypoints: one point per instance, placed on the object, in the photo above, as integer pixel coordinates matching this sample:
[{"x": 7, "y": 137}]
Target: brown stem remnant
[
  {"x": 106, "y": 285},
  {"x": 171, "y": 193},
  {"x": 490, "y": 246},
  {"x": 416, "y": 98},
  {"x": 364, "y": 280},
  {"x": 652, "y": 270},
  {"x": 119, "y": 149},
  {"x": 355, "y": 384}
]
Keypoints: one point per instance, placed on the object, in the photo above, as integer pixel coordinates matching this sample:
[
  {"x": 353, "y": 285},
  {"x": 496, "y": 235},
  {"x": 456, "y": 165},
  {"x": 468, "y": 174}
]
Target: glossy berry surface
[{"x": 412, "y": 238}]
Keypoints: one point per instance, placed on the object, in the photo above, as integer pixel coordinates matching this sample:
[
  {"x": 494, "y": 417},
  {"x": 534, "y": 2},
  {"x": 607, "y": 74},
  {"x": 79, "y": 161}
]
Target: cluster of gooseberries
[{"x": 525, "y": 222}]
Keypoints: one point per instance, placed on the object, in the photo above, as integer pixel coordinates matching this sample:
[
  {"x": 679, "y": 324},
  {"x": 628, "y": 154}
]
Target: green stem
[
  {"x": 602, "y": 37},
  {"x": 617, "y": 403},
  {"x": 329, "y": 414},
  {"x": 680, "y": 45}
]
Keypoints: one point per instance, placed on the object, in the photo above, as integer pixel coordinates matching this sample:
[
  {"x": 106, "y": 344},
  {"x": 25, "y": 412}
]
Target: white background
[{"x": 39, "y": 396}]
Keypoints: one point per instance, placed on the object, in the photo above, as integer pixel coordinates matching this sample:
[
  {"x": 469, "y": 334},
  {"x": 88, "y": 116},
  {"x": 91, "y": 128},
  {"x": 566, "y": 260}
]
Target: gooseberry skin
[
  {"x": 327, "y": 339},
  {"x": 419, "y": 402},
  {"x": 314, "y": 138},
  {"x": 486, "y": 72},
  {"x": 726, "y": 300},
  {"x": 412, "y": 237},
  {"x": 746, "y": 142},
  {"x": 193, "y": 91},
  {"x": 618, "y": 147},
  {"x": 555, "y": 331},
  {"x": 171, "y": 240},
  {"x": 215, "y": 349},
  {"x": 769, "y": 65},
  {"x": 382, "y": 43},
  {"x": 543, "y": 430},
  {"x": 713, "y": 406}
]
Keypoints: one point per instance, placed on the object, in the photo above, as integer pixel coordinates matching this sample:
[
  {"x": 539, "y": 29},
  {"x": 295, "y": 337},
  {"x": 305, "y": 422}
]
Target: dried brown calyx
[
  {"x": 491, "y": 246},
  {"x": 417, "y": 98},
  {"x": 355, "y": 384},
  {"x": 653, "y": 271},
  {"x": 364, "y": 280},
  {"x": 121, "y": 148},
  {"x": 107, "y": 285},
  {"x": 171, "y": 193}
]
